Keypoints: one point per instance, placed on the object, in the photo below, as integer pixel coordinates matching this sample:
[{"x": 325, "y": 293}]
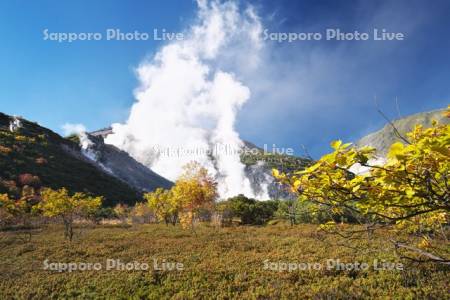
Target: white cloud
[{"x": 70, "y": 128}]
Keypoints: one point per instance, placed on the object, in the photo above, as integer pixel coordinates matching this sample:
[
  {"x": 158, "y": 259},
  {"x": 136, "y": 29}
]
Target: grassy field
[{"x": 218, "y": 263}]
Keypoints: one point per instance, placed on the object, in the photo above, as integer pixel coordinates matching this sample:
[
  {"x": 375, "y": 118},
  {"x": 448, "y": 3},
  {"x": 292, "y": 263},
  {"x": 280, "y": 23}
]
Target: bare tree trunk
[
  {"x": 68, "y": 228},
  {"x": 431, "y": 257},
  {"x": 192, "y": 226}
]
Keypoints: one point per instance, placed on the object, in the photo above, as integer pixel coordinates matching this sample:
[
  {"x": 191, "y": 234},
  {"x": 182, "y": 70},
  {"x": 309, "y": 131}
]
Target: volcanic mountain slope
[
  {"x": 259, "y": 165},
  {"x": 27, "y": 148},
  {"x": 122, "y": 166},
  {"x": 383, "y": 138}
]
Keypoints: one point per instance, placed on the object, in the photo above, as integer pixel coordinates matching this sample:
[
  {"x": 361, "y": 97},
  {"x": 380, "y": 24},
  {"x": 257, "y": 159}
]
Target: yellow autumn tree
[
  {"x": 195, "y": 190},
  {"x": 408, "y": 190},
  {"x": 141, "y": 213},
  {"x": 59, "y": 204},
  {"x": 14, "y": 211},
  {"x": 163, "y": 204},
  {"x": 122, "y": 212},
  {"x": 7, "y": 209}
]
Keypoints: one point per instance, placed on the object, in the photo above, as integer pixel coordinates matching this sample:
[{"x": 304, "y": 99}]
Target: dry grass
[{"x": 224, "y": 263}]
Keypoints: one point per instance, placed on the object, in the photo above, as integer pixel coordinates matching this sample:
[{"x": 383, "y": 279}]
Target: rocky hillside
[
  {"x": 259, "y": 165},
  {"x": 33, "y": 155},
  {"x": 121, "y": 165},
  {"x": 383, "y": 138}
]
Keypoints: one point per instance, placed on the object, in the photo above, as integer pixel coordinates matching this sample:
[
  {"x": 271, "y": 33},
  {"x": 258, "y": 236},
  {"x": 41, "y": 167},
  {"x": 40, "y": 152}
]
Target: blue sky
[{"x": 329, "y": 89}]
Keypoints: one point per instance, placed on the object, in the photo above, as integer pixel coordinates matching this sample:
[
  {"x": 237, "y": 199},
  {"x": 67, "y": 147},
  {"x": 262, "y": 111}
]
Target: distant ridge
[{"x": 383, "y": 138}]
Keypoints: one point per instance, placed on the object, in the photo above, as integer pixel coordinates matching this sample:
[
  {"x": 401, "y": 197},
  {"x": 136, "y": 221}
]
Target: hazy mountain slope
[
  {"x": 57, "y": 162},
  {"x": 121, "y": 165},
  {"x": 384, "y": 137}
]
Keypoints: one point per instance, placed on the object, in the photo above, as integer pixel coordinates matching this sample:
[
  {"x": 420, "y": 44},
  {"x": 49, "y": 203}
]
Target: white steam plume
[
  {"x": 80, "y": 131},
  {"x": 87, "y": 146},
  {"x": 70, "y": 128},
  {"x": 188, "y": 101}
]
